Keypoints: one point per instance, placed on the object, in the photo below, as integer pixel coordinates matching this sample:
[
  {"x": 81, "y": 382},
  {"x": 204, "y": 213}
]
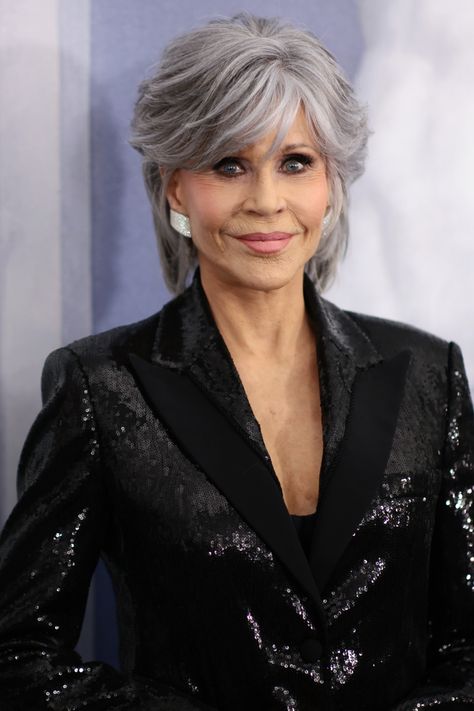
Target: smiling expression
[{"x": 277, "y": 203}]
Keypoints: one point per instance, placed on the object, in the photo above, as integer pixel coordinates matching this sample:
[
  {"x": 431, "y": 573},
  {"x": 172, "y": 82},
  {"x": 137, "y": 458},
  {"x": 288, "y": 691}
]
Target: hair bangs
[
  {"x": 224, "y": 86},
  {"x": 270, "y": 107}
]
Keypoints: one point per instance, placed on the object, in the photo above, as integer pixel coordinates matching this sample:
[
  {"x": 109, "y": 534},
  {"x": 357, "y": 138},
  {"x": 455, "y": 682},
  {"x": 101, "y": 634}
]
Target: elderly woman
[{"x": 281, "y": 489}]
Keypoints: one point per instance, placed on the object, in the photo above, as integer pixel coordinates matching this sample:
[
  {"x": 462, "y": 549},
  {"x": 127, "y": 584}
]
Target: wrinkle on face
[{"x": 268, "y": 193}]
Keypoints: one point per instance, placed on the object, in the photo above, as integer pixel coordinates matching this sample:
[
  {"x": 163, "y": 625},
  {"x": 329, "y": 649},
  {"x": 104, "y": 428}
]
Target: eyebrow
[{"x": 292, "y": 146}]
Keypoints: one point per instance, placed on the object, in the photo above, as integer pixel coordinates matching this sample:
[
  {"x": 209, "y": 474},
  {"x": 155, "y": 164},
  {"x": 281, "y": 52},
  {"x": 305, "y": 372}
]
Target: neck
[{"x": 264, "y": 326}]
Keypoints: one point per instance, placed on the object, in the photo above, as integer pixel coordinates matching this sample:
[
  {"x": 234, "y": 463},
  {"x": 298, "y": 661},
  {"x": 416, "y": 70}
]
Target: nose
[{"x": 264, "y": 194}]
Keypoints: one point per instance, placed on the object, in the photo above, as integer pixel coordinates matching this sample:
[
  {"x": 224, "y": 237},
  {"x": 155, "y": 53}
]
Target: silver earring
[
  {"x": 180, "y": 223},
  {"x": 326, "y": 221}
]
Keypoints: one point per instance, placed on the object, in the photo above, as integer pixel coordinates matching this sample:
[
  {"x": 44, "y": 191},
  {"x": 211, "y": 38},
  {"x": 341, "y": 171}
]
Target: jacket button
[{"x": 311, "y": 649}]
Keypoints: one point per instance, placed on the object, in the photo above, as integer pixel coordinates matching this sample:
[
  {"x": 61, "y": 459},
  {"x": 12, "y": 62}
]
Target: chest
[{"x": 289, "y": 414}]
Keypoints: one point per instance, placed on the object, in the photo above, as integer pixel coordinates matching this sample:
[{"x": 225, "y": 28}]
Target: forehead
[{"x": 298, "y": 135}]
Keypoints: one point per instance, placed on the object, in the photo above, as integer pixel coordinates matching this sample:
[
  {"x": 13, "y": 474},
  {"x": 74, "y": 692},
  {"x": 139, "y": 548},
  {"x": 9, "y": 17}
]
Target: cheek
[
  {"x": 310, "y": 205},
  {"x": 309, "y": 192},
  {"x": 211, "y": 206}
]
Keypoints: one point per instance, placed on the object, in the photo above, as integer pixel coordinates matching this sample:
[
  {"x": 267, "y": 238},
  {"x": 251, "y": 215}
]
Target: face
[{"x": 255, "y": 222}]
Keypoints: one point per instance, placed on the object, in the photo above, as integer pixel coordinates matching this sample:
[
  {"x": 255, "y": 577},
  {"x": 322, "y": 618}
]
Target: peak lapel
[
  {"x": 193, "y": 386},
  {"x": 361, "y": 395},
  {"x": 359, "y": 462},
  {"x": 206, "y": 435},
  {"x": 188, "y": 339}
]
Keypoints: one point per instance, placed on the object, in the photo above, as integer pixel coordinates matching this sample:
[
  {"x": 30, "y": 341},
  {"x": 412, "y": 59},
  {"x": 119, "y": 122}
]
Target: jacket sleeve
[
  {"x": 449, "y": 681},
  {"x": 49, "y": 548}
]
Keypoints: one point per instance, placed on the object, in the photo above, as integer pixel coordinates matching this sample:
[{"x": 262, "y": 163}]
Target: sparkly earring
[
  {"x": 180, "y": 223},
  {"x": 326, "y": 221}
]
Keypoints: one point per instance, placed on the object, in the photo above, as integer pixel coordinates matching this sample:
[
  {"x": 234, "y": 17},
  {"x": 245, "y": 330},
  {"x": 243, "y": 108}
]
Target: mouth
[{"x": 265, "y": 242}]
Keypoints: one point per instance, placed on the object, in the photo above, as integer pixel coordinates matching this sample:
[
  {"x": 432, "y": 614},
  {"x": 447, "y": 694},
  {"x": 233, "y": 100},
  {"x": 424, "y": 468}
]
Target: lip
[
  {"x": 263, "y": 236},
  {"x": 265, "y": 242}
]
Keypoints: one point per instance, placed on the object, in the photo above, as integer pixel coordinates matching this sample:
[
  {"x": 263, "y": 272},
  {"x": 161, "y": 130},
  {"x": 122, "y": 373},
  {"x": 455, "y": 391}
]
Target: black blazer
[{"x": 146, "y": 452}]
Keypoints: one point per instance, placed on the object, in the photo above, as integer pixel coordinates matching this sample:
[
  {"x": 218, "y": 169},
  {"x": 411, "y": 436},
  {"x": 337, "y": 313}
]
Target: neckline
[{"x": 303, "y": 515}]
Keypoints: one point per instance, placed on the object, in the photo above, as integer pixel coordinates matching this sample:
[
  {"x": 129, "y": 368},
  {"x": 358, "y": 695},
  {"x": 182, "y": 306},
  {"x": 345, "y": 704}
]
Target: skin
[{"x": 257, "y": 299}]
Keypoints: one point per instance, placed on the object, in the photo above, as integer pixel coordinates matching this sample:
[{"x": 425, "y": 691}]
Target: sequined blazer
[{"x": 146, "y": 452}]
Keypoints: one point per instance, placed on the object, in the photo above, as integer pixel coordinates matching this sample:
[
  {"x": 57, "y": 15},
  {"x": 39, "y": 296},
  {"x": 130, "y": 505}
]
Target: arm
[
  {"x": 49, "y": 549},
  {"x": 449, "y": 680}
]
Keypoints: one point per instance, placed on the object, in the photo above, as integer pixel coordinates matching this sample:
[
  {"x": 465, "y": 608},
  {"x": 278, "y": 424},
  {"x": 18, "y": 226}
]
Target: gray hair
[{"x": 223, "y": 86}]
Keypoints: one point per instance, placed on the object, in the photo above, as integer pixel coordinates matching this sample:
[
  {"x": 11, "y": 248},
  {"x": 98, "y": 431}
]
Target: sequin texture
[{"x": 219, "y": 607}]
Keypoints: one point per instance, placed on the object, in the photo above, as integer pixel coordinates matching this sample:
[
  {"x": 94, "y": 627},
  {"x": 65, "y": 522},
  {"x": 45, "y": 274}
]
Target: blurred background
[{"x": 77, "y": 248}]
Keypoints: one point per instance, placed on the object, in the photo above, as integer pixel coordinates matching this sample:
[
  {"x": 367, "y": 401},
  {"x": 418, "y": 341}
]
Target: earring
[
  {"x": 180, "y": 223},
  {"x": 326, "y": 221}
]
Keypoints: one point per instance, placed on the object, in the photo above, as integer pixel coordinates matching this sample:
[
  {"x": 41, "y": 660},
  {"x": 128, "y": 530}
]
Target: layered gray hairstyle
[{"x": 222, "y": 87}]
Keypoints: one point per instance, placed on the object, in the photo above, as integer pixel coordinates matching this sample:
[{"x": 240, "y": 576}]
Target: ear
[{"x": 174, "y": 192}]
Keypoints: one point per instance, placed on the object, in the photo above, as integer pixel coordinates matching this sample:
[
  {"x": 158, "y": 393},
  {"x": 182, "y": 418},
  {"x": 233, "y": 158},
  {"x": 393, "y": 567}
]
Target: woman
[{"x": 280, "y": 488}]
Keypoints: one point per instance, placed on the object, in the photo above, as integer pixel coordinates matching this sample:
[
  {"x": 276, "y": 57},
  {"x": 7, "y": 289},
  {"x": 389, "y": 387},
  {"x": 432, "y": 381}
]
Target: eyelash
[{"x": 306, "y": 160}]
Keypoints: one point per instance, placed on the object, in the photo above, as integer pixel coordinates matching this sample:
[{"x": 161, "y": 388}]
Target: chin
[{"x": 266, "y": 275}]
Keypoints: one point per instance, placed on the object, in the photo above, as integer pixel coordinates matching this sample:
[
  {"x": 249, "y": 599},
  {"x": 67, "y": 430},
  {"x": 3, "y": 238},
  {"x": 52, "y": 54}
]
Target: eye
[
  {"x": 228, "y": 167},
  {"x": 231, "y": 167},
  {"x": 298, "y": 159}
]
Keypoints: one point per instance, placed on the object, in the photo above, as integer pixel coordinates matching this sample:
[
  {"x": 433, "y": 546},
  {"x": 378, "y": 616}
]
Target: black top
[
  {"x": 304, "y": 525},
  {"x": 118, "y": 465}
]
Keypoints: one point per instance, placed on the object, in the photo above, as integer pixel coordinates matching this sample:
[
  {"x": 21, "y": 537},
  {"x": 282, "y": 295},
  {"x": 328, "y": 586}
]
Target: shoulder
[
  {"x": 390, "y": 336},
  {"x": 111, "y": 347}
]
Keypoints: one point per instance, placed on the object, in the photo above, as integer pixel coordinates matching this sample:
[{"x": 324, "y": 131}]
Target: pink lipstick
[{"x": 266, "y": 242}]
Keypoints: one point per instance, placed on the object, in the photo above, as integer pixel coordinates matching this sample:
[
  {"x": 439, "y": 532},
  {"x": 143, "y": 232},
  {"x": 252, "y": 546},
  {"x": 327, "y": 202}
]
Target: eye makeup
[{"x": 303, "y": 158}]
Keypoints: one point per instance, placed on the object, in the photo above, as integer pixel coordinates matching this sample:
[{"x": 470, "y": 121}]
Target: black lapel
[
  {"x": 360, "y": 462},
  {"x": 224, "y": 454},
  {"x": 190, "y": 372}
]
